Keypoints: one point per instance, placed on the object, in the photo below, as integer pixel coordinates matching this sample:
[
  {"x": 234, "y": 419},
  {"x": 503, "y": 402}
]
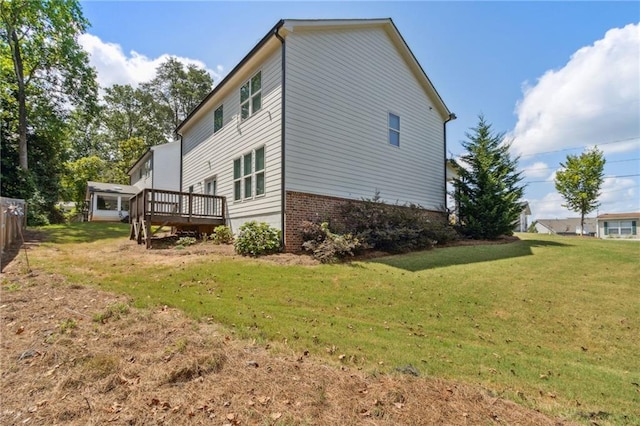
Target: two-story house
[{"x": 318, "y": 112}]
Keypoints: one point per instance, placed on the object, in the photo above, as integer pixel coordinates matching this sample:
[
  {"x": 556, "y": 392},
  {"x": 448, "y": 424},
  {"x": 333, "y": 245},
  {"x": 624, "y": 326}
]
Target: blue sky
[{"x": 551, "y": 75}]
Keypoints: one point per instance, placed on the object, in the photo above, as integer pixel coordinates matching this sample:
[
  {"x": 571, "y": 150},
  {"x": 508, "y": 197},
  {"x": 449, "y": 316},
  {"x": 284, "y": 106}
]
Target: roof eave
[{"x": 231, "y": 74}]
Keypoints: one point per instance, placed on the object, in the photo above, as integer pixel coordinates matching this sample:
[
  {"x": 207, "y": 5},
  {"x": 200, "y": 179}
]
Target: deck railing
[{"x": 157, "y": 203}]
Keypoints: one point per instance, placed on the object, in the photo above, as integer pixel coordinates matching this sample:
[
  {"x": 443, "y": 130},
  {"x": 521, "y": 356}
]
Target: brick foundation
[{"x": 300, "y": 207}]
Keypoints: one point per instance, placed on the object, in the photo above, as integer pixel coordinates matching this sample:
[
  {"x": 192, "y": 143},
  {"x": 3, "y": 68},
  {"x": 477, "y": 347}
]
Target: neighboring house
[
  {"x": 618, "y": 225},
  {"x": 319, "y": 112},
  {"x": 108, "y": 202},
  {"x": 522, "y": 225},
  {"x": 570, "y": 226},
  {"x": 159, "y": 168}
]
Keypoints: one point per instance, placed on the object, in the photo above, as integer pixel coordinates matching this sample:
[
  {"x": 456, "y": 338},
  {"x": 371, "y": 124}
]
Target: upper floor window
[
  {"x": 251, "y": 96},
  {"x": 145, "y": 170},
  {"x": 217, "y": 119},
  {"x": 394, "y": 129}
]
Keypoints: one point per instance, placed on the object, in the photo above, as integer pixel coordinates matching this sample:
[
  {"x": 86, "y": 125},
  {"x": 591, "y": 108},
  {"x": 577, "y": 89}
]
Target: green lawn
[{"x": 549, "y": 322}]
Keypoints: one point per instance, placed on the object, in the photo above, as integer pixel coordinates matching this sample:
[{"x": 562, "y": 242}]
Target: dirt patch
[{"x": 74, "y": 355}]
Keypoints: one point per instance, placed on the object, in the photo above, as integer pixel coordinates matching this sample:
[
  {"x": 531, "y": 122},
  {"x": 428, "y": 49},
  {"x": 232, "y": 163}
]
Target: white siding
[
  {"x": 166, "y": 166},
  {"x": 340, "y": 87},
  {"x": 98, "y": 215},
  {"x": 139, "y": 179},
  {"x": 206, "y": 154}
]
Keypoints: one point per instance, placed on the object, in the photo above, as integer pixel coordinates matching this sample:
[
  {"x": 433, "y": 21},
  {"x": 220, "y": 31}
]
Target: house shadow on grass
[{"x": 462, "y": 255}]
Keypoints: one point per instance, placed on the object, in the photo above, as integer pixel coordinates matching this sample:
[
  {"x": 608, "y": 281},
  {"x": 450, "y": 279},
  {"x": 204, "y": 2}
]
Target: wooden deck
[{"x": 182, "y": 210}]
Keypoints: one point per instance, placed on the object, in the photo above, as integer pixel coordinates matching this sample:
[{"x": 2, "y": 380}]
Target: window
[
  {"x": 260, "y": 171},
  {"x": 394, "y": 129},
  {"x": 620, "y": 227},
  {"x": 145, "y": 170},
  {"x": 217, "y": 119},
  {"x": 248, "y": 169},
  {"x": 106, "y": 202},
  {"x": 249, "y": 175},
  {"x": 237, "y": 188},
  {"x": 210, "y": 188},
  {"x": 251, "y": 96}
]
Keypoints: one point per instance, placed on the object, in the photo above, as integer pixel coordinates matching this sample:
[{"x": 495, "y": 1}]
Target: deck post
[
  {"x": 151, "y": 214},
  {"x": 190, "y": 205}
]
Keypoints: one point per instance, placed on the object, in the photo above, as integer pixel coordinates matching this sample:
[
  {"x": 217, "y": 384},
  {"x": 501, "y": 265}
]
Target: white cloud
[
  {"x": 549, "y": 207},
  {"x": 536, "y": 170},
  {"x": 593, "y": 99},
  {"x": 618, "y": 195},
  {"x": 115, "y": 67}
]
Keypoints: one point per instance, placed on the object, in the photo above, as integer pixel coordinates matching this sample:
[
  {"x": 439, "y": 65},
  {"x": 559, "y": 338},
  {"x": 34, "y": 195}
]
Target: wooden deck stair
[{"x": 181, "y": 210}]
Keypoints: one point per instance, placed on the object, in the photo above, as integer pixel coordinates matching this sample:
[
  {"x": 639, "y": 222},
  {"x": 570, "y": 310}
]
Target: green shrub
[
  {"x": 256, "y": 239},
  {"x": 393, "y": 227},
  {"x": 185, "y": 241},
  {"x": 222, "y": 235},
  {"x": 326, "y": 246}
]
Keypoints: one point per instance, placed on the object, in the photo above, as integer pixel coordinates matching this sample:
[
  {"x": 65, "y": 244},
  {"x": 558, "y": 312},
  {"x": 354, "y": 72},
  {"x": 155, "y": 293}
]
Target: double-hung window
[
  {"x": 260, "y": 171},
  {"x": 620, "y": 227},
  {"x": 394, "y": 129},
  {"x": 237, "y": 179},
  {"x": 248, "y": 175},
  {"x": 251, "y": 96},
  {"x": 217, "y": 119}
]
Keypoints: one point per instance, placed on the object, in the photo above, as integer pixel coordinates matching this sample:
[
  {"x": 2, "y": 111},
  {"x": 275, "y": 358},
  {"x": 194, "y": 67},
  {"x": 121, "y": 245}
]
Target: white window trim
[
  {"x": 389, "y": 128},
  {"x": 213, "y": 178},
  {"x": 252, "y": 175},
  {"x": 618, "y": 227},
  {"x": 252, "y": 95}
]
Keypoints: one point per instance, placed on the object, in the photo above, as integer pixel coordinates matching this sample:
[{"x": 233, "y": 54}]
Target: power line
[
  {"x": 581, "y": 147},
  {"x": 606, "y": 177},
  {"x": 608, "y": 162},
  {"x": 602, "y": 193}
]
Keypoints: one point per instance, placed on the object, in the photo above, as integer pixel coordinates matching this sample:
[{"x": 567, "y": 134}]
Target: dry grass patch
[{"x": 158, "y": 367}]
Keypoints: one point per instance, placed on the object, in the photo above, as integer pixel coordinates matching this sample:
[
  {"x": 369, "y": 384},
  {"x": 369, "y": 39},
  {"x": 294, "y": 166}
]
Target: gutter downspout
[
  {"x": 451, "y": 117},
  {"x": 180, "y": 137},
  {"x": 283, "y": 200}
]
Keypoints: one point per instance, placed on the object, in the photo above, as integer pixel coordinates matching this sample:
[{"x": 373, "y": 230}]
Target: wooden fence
[{"x": 11, "y": 224}]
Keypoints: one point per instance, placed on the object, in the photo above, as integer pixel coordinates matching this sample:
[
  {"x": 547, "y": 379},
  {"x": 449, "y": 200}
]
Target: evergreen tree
[
  {"x": 487, "y": 190},
  {"x": 580, "y": 180}
]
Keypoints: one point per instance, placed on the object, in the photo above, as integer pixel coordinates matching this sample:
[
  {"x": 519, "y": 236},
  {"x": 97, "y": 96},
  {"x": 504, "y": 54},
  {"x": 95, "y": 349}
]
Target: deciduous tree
[
  {"x": 40, "y": 38},
  {"x": 177, "y": 89},
  {"x": 579, "y": 181}
]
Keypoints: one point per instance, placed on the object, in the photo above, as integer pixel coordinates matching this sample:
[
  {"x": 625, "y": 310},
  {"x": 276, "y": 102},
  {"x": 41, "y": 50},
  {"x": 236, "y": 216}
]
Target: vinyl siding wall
[
  {"x": 206, "y": 154},
  {"x": 166, "y": 166},
  {"x": 341, "y": 86},
  {"x": 138, "y": 177},
  {"x": 165, "y": 169}
]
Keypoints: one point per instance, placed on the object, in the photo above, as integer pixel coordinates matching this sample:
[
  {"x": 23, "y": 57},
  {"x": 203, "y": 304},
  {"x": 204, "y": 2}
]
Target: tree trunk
[
  {"x": 22, "y": 100},
  {"x": 582, "y": 223}
]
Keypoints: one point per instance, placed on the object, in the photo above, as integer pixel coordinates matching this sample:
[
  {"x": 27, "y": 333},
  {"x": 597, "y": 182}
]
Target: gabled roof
[
  {"x": 566, "y": 225},
  {"x": 619, "y": 216},
  {"x": 148, "y": 153},
  {"x": 286, "y": 26},
  {"x": 114, "y": 188}
]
